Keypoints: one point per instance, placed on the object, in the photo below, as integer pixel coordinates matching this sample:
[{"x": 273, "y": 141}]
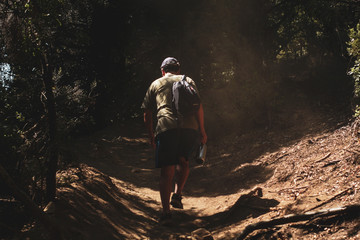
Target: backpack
[{"x": 186, "y": 100}]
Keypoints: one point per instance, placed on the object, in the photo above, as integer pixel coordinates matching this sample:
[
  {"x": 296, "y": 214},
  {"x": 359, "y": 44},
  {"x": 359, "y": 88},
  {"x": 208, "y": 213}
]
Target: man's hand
[
  {"x": 203, "y": 137},
  {"x": 149, "y": 125},
  {"x": 152, "y": 141},
  {"x": 200, "y": 118}
]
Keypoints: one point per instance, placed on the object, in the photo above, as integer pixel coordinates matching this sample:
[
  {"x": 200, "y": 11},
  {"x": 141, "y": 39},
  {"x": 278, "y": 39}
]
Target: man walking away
[{"x": 172, "y": 139}]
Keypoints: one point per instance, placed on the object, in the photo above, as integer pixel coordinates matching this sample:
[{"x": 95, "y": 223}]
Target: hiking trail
[{"x": 111, "y": 189}]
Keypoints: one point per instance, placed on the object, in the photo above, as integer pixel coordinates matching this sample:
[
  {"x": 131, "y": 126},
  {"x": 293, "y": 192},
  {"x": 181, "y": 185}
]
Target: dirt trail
[{"x": 112, "y": 190}]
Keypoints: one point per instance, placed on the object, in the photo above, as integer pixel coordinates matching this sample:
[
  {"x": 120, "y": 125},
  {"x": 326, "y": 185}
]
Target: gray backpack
[{"x": 186, "y": 100}]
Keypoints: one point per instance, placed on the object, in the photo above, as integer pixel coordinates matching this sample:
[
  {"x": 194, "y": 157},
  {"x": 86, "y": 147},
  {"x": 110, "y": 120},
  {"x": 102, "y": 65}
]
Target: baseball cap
[{"x": 170, "y": 61}]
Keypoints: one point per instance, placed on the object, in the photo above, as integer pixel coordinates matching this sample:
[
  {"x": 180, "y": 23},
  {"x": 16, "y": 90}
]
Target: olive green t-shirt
[{"x": 158, "y": 99}]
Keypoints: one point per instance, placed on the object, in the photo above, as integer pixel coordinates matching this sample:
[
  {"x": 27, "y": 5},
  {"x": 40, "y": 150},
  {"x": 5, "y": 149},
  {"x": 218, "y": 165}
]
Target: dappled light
[
  {"x": 219, "y": 195},
  {"x": 279, "y": 82}
]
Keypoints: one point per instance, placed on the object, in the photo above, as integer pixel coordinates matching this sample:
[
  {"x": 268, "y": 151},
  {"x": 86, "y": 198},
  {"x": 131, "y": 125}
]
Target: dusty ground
[{"x": 112, "y": 190}]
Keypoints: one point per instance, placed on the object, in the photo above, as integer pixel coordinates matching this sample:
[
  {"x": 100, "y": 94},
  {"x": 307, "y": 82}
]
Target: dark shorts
[{"x": 175, "y": 143}]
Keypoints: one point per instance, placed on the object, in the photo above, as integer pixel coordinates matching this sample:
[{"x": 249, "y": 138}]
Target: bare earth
[{"x": 112, "y": 190}]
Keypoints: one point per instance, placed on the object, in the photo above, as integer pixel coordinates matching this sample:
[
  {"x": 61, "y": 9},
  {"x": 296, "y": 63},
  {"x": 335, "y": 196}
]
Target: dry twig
[
  {"x": 322, "y": 159},
  {"x": 353, "y": 151},
  {"x": 277, "y": 159},
  {"x": 333, "y": 198}
]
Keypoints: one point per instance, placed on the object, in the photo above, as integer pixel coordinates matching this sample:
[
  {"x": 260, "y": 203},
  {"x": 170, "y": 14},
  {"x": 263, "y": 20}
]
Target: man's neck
[{"x": 172, "y": 73}]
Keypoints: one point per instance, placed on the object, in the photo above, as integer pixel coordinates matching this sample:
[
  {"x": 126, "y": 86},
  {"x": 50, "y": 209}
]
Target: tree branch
[{"x": 298, "y": 218}]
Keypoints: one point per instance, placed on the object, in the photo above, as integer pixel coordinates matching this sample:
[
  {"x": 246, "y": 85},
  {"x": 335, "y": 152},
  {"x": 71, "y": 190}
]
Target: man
[{"x": 172, "y": 140}]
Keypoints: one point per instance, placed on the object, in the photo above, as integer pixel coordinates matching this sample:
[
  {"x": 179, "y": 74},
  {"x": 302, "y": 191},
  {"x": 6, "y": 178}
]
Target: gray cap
[{"x": 170, "y": 61}]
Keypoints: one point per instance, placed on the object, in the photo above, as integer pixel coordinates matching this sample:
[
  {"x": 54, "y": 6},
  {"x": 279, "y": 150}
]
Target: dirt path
[
  {"x": 112, "y": 191},
  {"x": 121, "y": 160}
]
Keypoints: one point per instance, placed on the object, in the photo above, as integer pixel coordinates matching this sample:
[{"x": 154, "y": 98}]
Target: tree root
[{"x": 351, "y": 209}]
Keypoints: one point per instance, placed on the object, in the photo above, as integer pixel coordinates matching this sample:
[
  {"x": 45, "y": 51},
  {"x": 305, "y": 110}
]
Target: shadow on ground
[
  {"x": 246, "y": 206},
  {"x": 123, "y": 153},
  {"x": 93, "y": 207},
  {"x": 129, "y": 158}
]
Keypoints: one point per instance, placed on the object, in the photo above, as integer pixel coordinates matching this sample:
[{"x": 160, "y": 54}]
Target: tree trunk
[{"x": 51, "y": 119}]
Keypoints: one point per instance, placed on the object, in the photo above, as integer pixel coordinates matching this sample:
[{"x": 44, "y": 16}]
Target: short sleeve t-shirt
[{"x": 158, "y": 99}]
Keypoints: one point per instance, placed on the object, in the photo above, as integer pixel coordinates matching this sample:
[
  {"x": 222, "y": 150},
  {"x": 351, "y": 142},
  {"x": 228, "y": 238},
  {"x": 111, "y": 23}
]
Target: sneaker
[
  {"x": 165, "y": 219},
  {"x": 176, "y": 201}
]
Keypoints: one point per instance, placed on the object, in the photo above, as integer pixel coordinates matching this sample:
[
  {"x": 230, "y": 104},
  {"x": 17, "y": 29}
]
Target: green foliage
[
  {"x": 38, "y": 30},
  {"x": 10, "y": 137},
  {"x": 314, "y": 28},
  {"x": 354, "y": 51},
  {"x": 354, "y": 43}
]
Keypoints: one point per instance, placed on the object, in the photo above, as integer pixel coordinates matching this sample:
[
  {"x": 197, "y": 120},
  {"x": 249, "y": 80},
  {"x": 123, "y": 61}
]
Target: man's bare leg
[
  {"x": 166, "y": 181},
  {"x": 182, "y": 171}
]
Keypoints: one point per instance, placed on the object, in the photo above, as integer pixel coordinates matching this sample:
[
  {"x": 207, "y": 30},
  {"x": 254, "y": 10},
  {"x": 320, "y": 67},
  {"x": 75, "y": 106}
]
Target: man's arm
[
  {"x": 200, "y": 118},
  {"x": 148, "y": 120}
]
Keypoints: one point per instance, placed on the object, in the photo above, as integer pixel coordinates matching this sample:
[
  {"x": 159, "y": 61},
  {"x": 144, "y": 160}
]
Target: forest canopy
[{"x": 72, "y": 67}]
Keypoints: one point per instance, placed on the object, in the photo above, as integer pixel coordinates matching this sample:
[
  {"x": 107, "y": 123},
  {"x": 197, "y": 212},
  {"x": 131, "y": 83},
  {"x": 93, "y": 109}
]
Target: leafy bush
[{"x": 354, "y": 51}]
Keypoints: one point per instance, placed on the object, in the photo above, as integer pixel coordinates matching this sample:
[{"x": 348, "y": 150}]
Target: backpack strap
[
  {"x": 184, "y": 78},
  {"x": 175, "y": 99}
]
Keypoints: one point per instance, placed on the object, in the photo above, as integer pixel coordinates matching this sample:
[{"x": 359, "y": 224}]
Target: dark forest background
[{"x": 69, "y": 68}]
